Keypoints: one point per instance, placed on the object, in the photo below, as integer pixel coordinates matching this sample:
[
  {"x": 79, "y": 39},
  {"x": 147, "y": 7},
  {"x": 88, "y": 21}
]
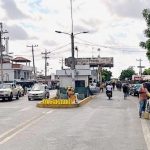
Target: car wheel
[
  {"x": 29, "y": 99},
  {"x": 17, "y": 96},
  {"x": 47, "y": 96},
  {"x": 20, "y": 94},
  {"x": 10, "y": 97}
]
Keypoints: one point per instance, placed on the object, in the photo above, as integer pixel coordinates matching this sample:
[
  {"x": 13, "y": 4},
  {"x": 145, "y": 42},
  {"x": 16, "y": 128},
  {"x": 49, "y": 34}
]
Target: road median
[{"x": 62, "y": 103}]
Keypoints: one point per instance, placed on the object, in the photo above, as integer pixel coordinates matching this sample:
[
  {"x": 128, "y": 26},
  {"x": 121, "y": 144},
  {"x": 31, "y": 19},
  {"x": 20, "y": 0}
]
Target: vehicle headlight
[
  {"x": 29, "y": 94},
  {"x": 40, "y": 94},
  {"x": 7, "y": 92}
]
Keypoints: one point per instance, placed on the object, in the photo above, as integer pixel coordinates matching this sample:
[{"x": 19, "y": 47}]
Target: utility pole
[
  {"x": 32, "y": 46},
  {"x": 76, "y": 48},
  {"x": 140, "y": 66},
  {"x": 99, "y": 67},
  {"x": 99, "y": 52},
  {"x": 6, "y": 45},
  {"x": 92, "y": 52},
  {"x": 1, "y": 49},
  {"x": 45, "y": 57},
  {"x": 62, "y": 62}
]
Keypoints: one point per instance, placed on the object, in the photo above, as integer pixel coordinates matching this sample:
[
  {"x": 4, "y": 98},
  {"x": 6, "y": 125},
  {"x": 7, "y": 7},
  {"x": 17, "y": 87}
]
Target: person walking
[
  {"x": 113, "y": 84},
  {"x": 142, "y": 99},
  {"x": 125, "y": 89},
  {"x": 102, "y": 87}
]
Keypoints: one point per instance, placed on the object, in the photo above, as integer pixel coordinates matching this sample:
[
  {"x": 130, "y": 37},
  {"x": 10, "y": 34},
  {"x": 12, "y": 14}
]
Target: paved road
[{"x": 100, "y": 124}]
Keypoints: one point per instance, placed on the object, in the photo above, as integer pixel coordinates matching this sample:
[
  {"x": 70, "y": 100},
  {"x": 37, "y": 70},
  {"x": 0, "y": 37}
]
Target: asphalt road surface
[{"x": 101, "y": 124}]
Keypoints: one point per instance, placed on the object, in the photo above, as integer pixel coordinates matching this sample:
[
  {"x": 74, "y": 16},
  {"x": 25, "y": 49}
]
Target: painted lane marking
[
  {"x": 8, "y": 107},
  {"x": 26, "y": 108},
  {"x": 48, "y": 112},
  {"x": 14, "y": 131}
]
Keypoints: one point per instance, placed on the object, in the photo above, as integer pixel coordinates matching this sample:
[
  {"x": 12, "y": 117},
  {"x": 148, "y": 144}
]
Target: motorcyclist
[{"x": 109, "y": 89}]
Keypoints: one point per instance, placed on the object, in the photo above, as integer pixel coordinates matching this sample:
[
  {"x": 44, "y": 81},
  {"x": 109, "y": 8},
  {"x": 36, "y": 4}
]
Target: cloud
[
  {"x": 92, "y": 23},
  {"x": 126, "y": 8},
  {"x": 49, "y": 43},
  {"x": 114, "y": 26},
  {"x": 17, "y": 33},
  {"x": 12, "y": 10},
  {"x": 79, "y": 28}
]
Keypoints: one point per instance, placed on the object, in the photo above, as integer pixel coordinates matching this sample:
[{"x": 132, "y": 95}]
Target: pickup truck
[{"x": 9, "y": 91}]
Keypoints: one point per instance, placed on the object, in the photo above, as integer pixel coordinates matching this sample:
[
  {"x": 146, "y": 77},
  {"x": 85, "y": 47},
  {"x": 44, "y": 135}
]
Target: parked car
[
  {"x": 134, "y": 89},
  {"x": 38, "y": 92},
  {"x": 21, "y": 90},
  {"x": 9, "y": 91}
]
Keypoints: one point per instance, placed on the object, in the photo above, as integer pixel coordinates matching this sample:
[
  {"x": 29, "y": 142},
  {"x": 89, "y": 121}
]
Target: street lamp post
[
  {"x": 72, "y": 53},
  {"x": 72, "y": 45}
]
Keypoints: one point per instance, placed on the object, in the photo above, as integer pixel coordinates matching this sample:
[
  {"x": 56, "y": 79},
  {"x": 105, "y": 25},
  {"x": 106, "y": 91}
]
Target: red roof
[{"x": 21, "y": 59}]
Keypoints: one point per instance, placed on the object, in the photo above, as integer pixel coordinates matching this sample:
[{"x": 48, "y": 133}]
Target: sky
[{"x": 115, "y": 27}]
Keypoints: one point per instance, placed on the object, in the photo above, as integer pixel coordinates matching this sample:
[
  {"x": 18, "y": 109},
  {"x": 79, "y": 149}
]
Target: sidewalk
[{"x": 130, "y": 103}]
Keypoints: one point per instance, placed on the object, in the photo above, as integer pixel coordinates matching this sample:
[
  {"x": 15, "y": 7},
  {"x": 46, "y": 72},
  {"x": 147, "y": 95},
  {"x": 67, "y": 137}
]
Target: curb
[{"x": 81, "y": 103}]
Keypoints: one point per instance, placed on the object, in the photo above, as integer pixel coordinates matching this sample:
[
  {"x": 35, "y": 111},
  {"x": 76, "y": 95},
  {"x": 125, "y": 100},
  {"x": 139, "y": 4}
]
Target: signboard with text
[{"x": 93, "y": 62}]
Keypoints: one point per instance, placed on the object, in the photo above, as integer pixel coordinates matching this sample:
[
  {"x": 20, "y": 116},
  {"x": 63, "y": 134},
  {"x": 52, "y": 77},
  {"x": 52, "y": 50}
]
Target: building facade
[{"x": 16, "y": 69}]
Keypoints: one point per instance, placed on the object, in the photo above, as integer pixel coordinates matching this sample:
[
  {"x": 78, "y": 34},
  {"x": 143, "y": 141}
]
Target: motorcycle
[{"x": 109, "y": 94}]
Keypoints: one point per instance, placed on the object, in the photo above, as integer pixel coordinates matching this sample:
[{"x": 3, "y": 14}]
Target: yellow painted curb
[{"x": 82, "y": 102}]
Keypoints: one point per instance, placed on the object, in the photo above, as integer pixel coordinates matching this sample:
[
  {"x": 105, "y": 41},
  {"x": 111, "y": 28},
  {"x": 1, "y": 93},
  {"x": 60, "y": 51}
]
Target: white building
[
  {"x": 16, "y": 69},
  {"x": 82, "y": 73}
]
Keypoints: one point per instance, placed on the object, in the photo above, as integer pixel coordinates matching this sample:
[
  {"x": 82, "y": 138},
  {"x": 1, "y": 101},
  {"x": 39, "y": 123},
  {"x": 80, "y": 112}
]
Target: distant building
[
  {"x": 140, "y": 77},
  {"x": 16, "y": 69}
]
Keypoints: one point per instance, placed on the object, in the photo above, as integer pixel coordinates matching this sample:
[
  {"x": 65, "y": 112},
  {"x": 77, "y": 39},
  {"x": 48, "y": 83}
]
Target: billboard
[{"x": 93, "y": 62}]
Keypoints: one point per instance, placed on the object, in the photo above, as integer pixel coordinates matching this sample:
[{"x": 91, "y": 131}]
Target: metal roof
[{"x": 20, "y": 59}]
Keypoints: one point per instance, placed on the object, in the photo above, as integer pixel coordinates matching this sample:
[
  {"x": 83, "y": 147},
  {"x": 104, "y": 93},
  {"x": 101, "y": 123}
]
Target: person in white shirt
[{"x": 109, "y": 89}]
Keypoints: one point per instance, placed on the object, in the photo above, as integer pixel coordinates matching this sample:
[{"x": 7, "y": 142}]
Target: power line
[
  {"x": 61, "y": 47},
  {"x": 104, "y": 46},
  {"x": 126, "y": 49}
]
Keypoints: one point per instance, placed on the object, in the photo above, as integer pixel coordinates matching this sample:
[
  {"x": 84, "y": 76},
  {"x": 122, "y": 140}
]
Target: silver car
[
  {"x": 38, "y": 92},
  {"x": 8, "y": 91}
]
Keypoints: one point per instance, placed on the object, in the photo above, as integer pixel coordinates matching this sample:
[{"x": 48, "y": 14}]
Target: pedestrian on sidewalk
[
  {"x": 113, "y": 84},
  {"x": 102, "y": 85},
  {"x": 142, "y": 99},
  {"x": 125, "y": 90}
]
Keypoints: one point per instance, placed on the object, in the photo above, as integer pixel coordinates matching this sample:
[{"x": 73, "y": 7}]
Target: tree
[
  {"x": 106, "y": 75},
  {"x": 146, "y": 71},
  {"x": 127, "y": 74},
  {"x": 146, "y": 44}
]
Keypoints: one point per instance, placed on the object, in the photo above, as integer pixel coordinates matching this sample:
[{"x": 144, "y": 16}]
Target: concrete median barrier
[{"x": 62, "y": 103}]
